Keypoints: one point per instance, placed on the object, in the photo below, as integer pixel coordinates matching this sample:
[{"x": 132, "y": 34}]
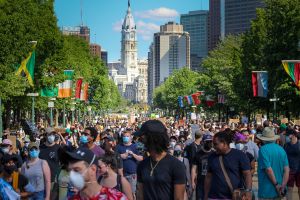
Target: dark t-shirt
[
  {"x": 191, "y": 150},
  {"x": 50, "y": 154},
  {"x": 235, "y": 162},
  {"x": 169, "y": 171},
  {"x": 293, "y": 154},
  {"x": 201, "y": 160},
  {"x": 129, "y": 164}
]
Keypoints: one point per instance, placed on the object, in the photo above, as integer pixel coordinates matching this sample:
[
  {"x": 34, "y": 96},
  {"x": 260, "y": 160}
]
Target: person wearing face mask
[
  {"x": 130, "y": 156},
  {"x": 88, "y": 138},
  {"x": 7, "y": 148},
  {"x": 109, "y": 178},
  {"x": 178, "y": 154},
  {"x": 82, "y": 164},
  {"x": 240, "y": 144},
  {"x": 12, "y": 176},
  {"x": 199, "y": 166},
  {"x": 49, "y": 152},
  {"x": 38, "y": 173}
]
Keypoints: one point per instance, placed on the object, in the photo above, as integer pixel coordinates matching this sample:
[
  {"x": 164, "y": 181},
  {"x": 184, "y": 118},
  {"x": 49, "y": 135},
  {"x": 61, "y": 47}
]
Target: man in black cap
[
  {"x": 160, "y": 176},
  {"x": 83, "y": 168}
]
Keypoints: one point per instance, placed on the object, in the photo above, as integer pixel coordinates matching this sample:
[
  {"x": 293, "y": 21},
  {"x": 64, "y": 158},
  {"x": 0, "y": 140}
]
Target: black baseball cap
[
  {"x": 82, "y": 154},
  {"x": 151, "y": 127}
]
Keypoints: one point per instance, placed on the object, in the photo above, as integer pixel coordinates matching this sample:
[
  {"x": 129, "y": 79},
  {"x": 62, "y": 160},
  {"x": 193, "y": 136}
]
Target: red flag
[
  {"x": 196, "y": 99},
  {"x": 78, "y": 88},
  {"x": 209, "y": 101}
]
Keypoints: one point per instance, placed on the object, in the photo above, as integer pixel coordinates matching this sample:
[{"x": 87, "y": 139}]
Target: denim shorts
[
  {"x": 132, "y": 179},
  {"x": 38, "y": 195}
]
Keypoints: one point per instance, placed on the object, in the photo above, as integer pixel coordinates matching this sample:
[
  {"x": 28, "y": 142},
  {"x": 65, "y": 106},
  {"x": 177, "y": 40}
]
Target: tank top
[{"x": 35, "y": 174}]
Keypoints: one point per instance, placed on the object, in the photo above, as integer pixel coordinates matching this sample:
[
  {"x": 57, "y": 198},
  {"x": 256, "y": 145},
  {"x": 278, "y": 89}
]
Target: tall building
[
  {"x": 195, "y": 23},
  {"x": 95, "y": 50},
  {"x": 151, "y": 74},
  {"x": 170, "y": 51},
  {"x": 81, "y": 31},
  {"x": 129, "y": 73},
  {"x": 230, "y": 17},
  {"x": 104, "y": 57}
]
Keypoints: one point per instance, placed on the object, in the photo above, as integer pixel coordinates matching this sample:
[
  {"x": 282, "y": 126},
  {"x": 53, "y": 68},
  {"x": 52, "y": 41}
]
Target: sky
[{"x": 105, "y": 17}]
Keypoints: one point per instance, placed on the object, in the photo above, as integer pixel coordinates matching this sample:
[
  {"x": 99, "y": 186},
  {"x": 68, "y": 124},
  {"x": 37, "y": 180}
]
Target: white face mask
[
  {"x": 172, "y": 144},
  {"x": 239, "y": 146},
  {"x": 5, "y": 150},
  {"x": 77, "y": 179},
  {"x": 51, "y": 139}
]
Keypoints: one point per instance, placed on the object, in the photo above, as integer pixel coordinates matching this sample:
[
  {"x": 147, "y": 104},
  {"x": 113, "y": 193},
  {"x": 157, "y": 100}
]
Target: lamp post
[
  {"x": 274, "y": 99},
  {"x": 32, "y": 95},
  {"x": 51, "y": 106}
]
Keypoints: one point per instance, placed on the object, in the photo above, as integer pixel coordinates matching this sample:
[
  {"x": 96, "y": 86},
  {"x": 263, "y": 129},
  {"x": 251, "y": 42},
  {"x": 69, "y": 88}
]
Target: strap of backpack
[
  {"x": 15, "y": 180},
  {"x": 225, "y": 174},
  {"x": 119, "y": 182}
]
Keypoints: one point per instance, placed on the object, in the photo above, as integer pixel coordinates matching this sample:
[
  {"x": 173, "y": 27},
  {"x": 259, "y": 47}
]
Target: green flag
[{"x": 49, "y": 92}]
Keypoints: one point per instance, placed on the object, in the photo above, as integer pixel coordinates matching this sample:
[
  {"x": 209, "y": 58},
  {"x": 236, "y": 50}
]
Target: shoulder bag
[{"x": 237, "y": 194}]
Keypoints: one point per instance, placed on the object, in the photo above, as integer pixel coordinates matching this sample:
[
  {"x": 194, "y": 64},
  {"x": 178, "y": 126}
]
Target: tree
[{"x": 182, "y": 82}]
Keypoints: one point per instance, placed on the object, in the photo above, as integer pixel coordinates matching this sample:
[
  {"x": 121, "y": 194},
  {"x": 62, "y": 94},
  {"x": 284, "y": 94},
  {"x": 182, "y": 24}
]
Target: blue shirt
[
  {"x": 270, "y": 155},
  {"x": 130, "y": 163},
  {"x": 235, "y": 162}
]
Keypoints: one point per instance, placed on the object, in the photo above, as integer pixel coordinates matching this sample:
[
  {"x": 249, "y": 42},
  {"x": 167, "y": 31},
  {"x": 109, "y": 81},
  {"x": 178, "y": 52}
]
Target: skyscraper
[
  {"x": 80, "y": 31},
  {"x": 195, "y": 23},
  {"x": 230, "y": 17},
  {"x": 170, "y": 51}
]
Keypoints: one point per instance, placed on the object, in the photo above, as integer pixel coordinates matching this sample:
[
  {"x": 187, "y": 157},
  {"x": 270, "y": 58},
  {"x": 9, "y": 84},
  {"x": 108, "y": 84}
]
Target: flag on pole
[
  {"x": 196, "y": 99},
  {"x": 84, "y": 92},
  {"x": 65, "y": 88},
  {"x": 49, "y": 92},
  {"x": 27, "y": 66},
  {"x": 209, "y": 101},
  {"x": 292, "y": 68},
  {"x": 260, "y": 83},
  {"x": 78, "y": 88},
  {"x": 189, "y": 100},
  {"x": 221, "y": 98},
  {"x": 180, "y": 101}
]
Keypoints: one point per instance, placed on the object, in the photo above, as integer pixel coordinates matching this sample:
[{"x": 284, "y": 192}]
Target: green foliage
[
  {"x": 22, "y": 21},
  {"x": 181, "y": 82}
]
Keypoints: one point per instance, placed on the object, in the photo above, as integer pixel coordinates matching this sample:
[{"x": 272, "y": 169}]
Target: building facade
[
  {"x": 80, "y": 31},
  {"x": 195, "y": 23},
  {"x": 95, "y": 50},
  {"x": 230, "y": 17},
  {"x": 104, "y": 57},
  {"x": 170, "y": 51},
  {"x": 130, "y": 74}
]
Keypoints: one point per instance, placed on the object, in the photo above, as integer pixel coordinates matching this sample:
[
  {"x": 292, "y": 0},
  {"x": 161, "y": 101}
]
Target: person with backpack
[
  {"x": 38, "y": 173},
  {"x": 192, "y": 149},
  {"x": 178, "y": 154},
  {"x": 107, "y": 166}
]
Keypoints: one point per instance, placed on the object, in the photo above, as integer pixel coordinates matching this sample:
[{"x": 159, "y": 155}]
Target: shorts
[
  {"x": 294, "y": 177},
  {"x": 132, "y": 179}
]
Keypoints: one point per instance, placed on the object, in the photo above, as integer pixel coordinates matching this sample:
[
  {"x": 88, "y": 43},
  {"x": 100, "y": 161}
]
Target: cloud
[
  {"x": 161, "y": 13},
  {"x": 146, "y": 30},
  {"x": 117, "y": 26}
]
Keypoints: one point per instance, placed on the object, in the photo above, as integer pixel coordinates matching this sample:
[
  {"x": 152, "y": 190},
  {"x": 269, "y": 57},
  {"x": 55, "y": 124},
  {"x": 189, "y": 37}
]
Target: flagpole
[
  {"x": 1, "y": 124},
  {"x": 64, "y": 116}
]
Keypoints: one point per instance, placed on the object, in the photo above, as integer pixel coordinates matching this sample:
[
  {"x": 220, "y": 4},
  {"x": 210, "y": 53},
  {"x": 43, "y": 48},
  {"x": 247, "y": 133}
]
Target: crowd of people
[{"x": 152, "y": 160}]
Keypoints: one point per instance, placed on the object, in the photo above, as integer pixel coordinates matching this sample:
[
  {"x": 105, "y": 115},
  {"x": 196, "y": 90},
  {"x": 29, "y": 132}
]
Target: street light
[
  {"x": 274, "y": 99},
  {"x": 32, "y": 107}
]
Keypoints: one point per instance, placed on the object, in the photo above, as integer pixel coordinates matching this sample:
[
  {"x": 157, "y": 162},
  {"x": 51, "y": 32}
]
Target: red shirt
[{"x": 104, "y": 194}]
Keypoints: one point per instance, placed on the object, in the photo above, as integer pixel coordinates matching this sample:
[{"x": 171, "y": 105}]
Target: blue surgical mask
[
  {"x": 126, "y": 139},
  {"x": 83, "y": 139},
  {"x": 34, "y": 153}
]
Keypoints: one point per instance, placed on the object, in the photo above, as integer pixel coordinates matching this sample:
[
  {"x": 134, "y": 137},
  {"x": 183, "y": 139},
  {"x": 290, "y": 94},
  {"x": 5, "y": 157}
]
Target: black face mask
[
  {"x": 10, "y": 169},
  {"x": 177, "y": 153},
  {"x": 207, "y": 146}
]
